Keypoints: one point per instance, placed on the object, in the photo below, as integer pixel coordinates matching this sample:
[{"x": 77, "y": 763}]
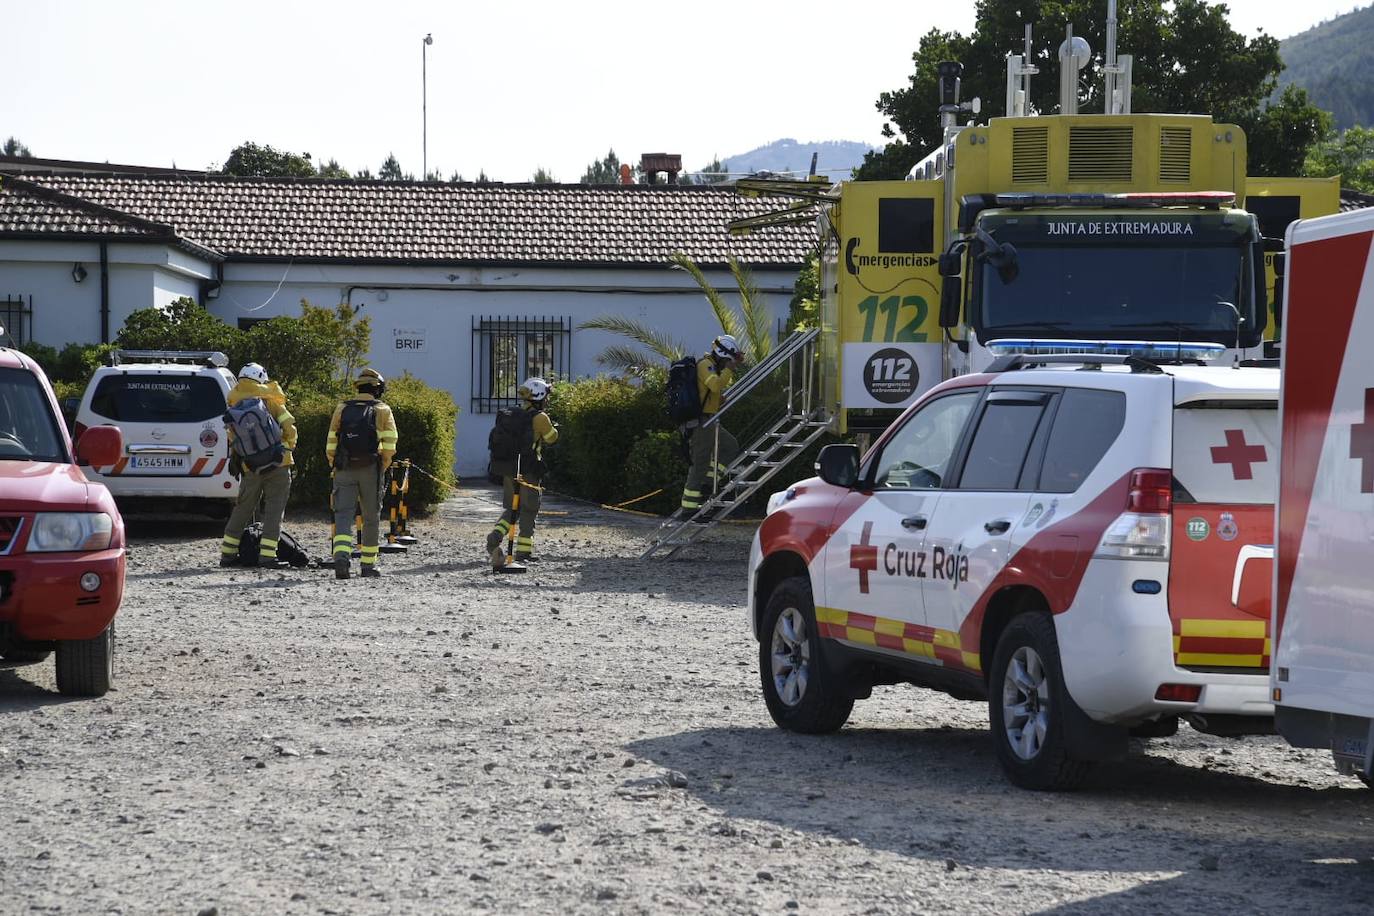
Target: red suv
[{"x": 61, "y": 537}]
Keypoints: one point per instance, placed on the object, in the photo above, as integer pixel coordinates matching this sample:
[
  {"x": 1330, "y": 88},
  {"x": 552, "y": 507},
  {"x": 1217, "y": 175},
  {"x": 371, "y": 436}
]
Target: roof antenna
[
  {"x": 1117, "y": 72},
  {"x": 1019, "y": 71},
  {"x": 1074, "y": 55}
]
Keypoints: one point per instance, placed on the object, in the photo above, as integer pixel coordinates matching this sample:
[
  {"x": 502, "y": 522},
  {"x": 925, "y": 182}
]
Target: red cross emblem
[
  {"x": 1238, "y": 455},
  {"x": 863, "y": 556},
  {"x": 1362, "y": 443}
]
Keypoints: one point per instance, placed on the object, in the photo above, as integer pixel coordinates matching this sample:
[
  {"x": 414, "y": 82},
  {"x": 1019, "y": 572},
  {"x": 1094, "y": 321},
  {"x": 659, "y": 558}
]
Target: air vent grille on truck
[
  {"x": 1030, "y": 154},
  {"x": 1175, "y": 153},
  {"x": 1100, "y": 153}
]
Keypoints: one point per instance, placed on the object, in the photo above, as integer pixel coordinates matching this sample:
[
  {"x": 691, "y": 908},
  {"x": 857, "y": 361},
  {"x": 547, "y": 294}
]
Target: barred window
[
  {"x": 16, "y": 317},
  {"x": 506, "y": 351}
]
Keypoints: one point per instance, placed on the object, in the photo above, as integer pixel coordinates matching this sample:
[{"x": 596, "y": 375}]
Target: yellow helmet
[{"x": 370, "y": 378}]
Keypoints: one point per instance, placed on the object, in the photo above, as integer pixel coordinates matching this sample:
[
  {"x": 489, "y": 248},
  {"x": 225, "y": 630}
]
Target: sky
[{"x": 510, "y": 86}]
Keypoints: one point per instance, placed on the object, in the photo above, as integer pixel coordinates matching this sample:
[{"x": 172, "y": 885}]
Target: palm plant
[{"x": 749, "y": 325}]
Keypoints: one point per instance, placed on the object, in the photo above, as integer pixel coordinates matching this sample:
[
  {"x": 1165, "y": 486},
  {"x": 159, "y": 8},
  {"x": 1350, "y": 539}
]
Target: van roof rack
[
  {"x": 212, "y": 358},
  {"x": 1088, "y": 361}
]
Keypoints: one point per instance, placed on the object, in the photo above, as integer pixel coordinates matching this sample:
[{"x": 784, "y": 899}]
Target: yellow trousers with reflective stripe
[
  {"x": 354, "y": 487},
  {"x": 270, "y": 488},
  {"x": 708, "y": 464},
  {"x": 529, "y": 510}
]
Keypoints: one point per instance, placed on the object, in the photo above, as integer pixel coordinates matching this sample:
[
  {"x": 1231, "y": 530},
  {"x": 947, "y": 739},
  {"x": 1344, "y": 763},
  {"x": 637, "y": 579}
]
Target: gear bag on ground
[
  {"x": 684, "y": 400},
  {"x": 513, "y": 434},
  {"x": 288, "y": 548},
  {"x": 358, "y": 441},
  {"x": 257, "y": 438}
]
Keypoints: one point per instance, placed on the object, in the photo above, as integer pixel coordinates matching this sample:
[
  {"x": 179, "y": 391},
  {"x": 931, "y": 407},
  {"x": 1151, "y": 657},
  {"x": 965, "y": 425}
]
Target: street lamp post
[{"x": 424, "y": 108}]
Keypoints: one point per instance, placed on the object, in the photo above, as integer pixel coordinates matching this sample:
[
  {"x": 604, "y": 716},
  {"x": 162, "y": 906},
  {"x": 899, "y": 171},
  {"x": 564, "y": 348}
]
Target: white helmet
[
  {"x": 255, "y": 372},
  {"x": 725, "y": 347},
  {"x": 534, "y": 389}
]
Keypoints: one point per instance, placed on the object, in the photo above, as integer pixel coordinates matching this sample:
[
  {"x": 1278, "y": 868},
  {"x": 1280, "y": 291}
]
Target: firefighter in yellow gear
[
  {"x": 360, "y": 447},
  {"x": 526, "y": 463},
  {"x": 269, "y": 486},
  {"x": 712, "y": 450}
]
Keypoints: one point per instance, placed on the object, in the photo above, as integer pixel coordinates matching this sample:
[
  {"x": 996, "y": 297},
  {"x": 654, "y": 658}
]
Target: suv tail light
[{"x": 1142, "y": 531}]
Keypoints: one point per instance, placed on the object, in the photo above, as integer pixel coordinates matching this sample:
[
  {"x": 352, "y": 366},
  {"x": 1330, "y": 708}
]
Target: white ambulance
[
  {"x": 1323, "y": 674},
  {"x": 1081, "y": 540}
]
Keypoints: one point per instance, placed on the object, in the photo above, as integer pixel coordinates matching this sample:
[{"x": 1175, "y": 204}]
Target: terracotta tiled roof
[
  {"x": 29, "y": 210},
  {"x": 409, "y": 222}
]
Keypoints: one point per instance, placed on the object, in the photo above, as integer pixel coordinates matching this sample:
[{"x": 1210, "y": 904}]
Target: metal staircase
[{"x": 804, "y": 420}]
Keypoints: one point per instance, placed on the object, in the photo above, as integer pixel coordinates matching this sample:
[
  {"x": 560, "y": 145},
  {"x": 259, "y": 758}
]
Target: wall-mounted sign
[{"x": 409, "y": 340}]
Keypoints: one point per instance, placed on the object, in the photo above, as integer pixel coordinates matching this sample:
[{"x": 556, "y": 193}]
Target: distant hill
[
  {"x": 1328, "y": 60},
  {"x": 835, "y": 158}
]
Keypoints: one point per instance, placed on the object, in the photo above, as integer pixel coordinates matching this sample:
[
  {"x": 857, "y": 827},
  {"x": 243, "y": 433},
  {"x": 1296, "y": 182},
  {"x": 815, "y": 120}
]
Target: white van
[
  {"x": 169, "y": 405},
  {"x": 1323, "y": 673}
]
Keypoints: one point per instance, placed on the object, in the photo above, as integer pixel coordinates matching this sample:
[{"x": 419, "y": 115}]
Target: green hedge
[
  {"x": 616, "y": 442},
  {"x": 426, "y": 419},
  {"x": 600, "y": 419}
]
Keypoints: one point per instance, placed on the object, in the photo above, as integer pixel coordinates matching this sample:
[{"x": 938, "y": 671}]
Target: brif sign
[{"x": 408, "y": 340}]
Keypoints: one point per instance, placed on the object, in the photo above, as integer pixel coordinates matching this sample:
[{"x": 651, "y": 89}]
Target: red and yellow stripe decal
[
  {"x": 928, "y": 643},
  {"x": 1221, "y": 643}
]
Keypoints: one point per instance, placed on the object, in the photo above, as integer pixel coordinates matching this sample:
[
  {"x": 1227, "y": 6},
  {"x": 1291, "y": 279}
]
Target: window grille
[
  {"x": 16, "y": 317},
  {"x": 506, "y": 351}
]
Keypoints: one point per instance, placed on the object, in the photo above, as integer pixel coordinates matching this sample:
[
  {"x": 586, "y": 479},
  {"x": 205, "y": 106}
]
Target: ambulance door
[
  {"x": 1221, "y": 548},
  {"x": 968, "y": 541},
  {"x": 872, "y": 565}
]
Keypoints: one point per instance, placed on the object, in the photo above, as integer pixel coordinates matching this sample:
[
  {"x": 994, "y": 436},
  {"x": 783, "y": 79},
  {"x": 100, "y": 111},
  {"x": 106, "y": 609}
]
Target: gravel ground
[{"x": 589, "y": 737}]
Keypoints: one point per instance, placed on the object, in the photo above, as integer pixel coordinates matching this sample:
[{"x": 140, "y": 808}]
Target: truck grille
[
  {"x": 1175, "y": 153},
  {"x": 1100, "y": 153},
  {"x": 9, "y": 531}
]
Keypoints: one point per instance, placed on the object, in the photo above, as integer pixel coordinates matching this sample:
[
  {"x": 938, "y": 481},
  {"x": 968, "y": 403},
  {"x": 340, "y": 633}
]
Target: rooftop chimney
[{"x": 653, "y": 163}]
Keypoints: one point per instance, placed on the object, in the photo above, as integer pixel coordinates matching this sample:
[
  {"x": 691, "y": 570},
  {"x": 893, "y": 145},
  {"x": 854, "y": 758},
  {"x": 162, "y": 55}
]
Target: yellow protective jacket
[
  {"x": 275, "y": 398},
  {"x": 711, "y": 384},
  {"x": 545, "y": 433},
  {"x": 386, "y": 430}
]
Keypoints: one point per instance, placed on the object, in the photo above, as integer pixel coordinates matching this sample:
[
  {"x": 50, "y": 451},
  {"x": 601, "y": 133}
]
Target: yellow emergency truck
[{"x": 1138, "y": 234}]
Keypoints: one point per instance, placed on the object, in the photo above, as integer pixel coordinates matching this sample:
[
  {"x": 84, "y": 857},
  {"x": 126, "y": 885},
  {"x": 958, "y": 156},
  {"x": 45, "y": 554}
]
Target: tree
[
  {"x": 348, "y": 334},
  {"x": 1349, "y": 154},
  {"x": 1187, "y": 59},
  {"x": 804, "y": 311},
  {"x": 249, "y": 160},
  {"x": 332, "y": 169},
  {"x": 715, "y": 173},
  {"x": 603, "y": 171},
  {"x": 542, "y": 176},
  {"x": 749, "y": 325},
  {"x": 391, "y": 170},
  {"x": 12, "y": 147}
]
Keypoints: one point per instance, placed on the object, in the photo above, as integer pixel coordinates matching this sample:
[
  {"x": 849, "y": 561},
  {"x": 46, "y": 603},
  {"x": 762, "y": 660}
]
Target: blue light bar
[{"x": 1145, "y": 349}]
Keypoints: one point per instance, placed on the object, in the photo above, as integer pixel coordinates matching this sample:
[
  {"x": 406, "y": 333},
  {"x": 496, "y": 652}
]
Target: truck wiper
[{"x": 1038, "y": 324}]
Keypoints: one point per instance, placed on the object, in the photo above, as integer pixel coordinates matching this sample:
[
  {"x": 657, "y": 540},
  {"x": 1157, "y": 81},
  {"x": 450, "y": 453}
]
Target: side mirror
[
  {"x": 70, "y": 406},
  {"x": 951, "y": 301},
  {"x": 100, "y": 446},
  {"x": 838, "y": 465},
  {"x": 1280, "y": 263}
]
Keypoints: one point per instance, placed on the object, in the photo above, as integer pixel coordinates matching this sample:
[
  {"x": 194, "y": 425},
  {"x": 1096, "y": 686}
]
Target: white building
[{"x": 470, "y": 287}]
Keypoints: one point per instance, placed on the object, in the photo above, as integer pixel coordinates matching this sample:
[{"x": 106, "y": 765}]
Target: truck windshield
[
  {"x": 1146, "y": 291},
  {"x": 28, "y": 429}
]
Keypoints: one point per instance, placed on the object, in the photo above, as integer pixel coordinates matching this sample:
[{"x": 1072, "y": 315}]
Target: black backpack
[
  {"x": 288, "y": 548},
  {"x": 513, "y": 435},
  {"x": 684, "y": 400},
  {"x": 357, "y": 444}
]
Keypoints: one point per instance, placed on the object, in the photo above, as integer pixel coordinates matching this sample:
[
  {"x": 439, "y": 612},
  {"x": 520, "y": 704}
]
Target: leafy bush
[
  {"x": 600, "y": 419},
  {"x": 616, "y": 442},
  {"x": 655, "y": 462},
  {"x": 319, "y": 351},
  {"x": 426, "y": 419}
]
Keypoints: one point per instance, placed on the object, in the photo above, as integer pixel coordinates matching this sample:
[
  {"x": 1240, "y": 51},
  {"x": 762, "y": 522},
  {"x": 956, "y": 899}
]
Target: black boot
[
  {"x": 370, "y": 571},
  {"x": 341, "y": 566},
  {"x": 272, "y": 563}
]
